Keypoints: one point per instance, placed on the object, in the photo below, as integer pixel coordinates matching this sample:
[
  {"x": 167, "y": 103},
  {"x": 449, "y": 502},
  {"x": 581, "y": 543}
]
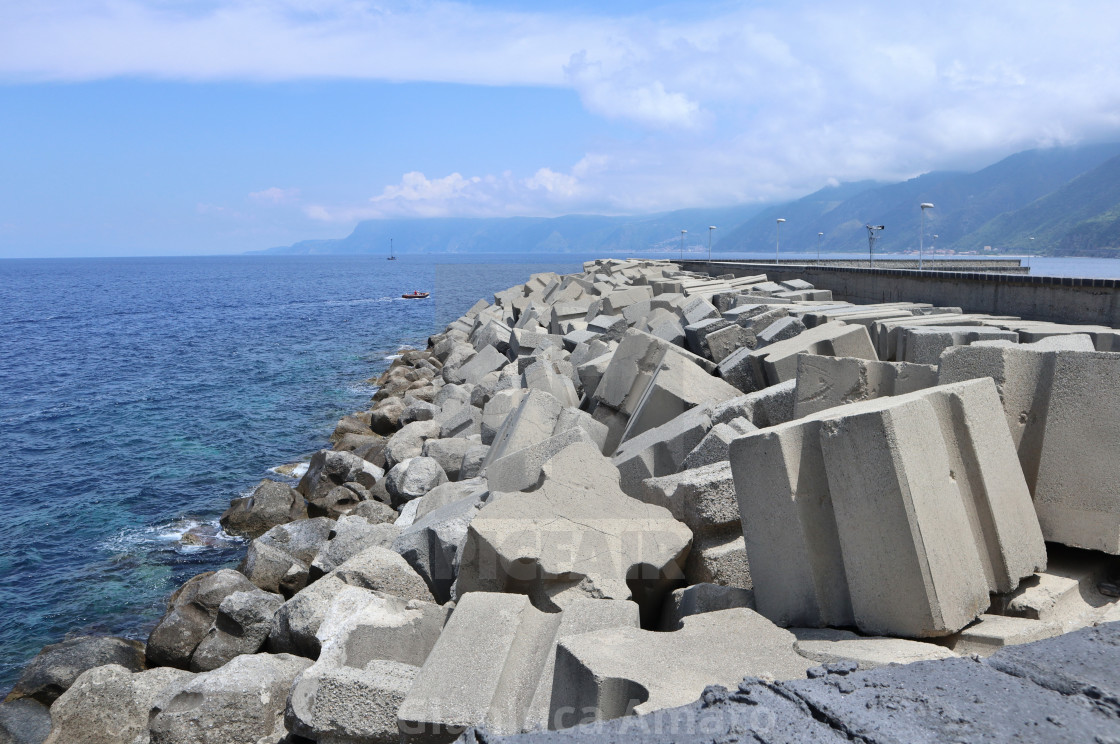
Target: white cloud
[
  {"x": 275, "y": 196},
  {"x": 725, "y": 102}
]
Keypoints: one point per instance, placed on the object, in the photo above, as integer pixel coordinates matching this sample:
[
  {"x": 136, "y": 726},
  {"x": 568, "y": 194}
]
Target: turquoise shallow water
[{"x": 140, "y": 395}]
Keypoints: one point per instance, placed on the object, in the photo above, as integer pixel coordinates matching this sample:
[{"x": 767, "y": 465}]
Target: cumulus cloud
[{"x": 722, "y": 102}]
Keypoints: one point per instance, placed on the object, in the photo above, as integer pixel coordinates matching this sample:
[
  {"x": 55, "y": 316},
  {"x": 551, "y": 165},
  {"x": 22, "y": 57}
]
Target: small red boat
[{"x": 414, "y": 295}]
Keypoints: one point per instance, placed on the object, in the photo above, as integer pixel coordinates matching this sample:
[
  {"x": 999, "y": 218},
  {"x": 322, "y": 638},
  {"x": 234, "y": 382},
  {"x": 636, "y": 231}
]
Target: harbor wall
[{"x": 1055, "y": 299}]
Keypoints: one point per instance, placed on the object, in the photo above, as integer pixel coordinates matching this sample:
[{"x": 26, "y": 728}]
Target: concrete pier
[{"x": 1056, "y": 299}]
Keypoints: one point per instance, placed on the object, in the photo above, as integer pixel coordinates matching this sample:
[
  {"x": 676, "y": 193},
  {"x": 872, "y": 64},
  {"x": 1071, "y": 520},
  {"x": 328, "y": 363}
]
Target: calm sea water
[{"x": 140, "y": 395}]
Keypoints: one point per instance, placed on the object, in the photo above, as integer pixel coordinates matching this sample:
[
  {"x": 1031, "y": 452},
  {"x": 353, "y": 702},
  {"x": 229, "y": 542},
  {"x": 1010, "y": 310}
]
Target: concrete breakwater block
[
  {"x": 1061, "y": 689},
  {"x": 1063, "y": 411},
  {"x": 778, "y": 362},
  {"x": 661, "y": 451},
  {"x": 897, "y": 515},
  {"x": 577, "y": 535},
  {"x": 826, "y": 382},
  {"x": 373, "y": 646},
  {"x": 493, "y": 665},
  {"x": 622, "y": 671}
]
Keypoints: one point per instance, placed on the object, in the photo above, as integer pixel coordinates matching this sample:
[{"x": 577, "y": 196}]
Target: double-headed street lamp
[
  {"x": 710, "y": 228},
  {"x": 922, "y": 234},
  {"x": 682, "y": 243},
  {"x": 778, "y": 244},
  {"x": 872, "y": 233},
  {"x": 819, "y": 236}
]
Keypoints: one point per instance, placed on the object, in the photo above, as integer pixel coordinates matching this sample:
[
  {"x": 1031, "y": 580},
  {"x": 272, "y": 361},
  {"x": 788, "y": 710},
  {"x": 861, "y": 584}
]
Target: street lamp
[
  {"x": 682, "y": 243},
  {"x": 819, "y": 236},
  {"x": 872, "y": 233},
  {"x": 922, "y": 233},
  {"x": 778, "y": 244},
  {"x": 710, "y": 228}
]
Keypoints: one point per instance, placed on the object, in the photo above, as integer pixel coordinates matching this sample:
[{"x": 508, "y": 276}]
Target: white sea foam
[
  {"x": 291, "y": 469},
  {"x": 182, "y": 535}
]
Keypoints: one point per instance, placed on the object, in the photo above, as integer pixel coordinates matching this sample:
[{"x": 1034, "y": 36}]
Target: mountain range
[{"x": 1054, "y": 201}]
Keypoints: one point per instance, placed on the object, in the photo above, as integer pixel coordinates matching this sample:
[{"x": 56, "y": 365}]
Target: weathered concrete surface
[
  {"x": 626, "y": 670},
  {"x": 826, "y": 382},
  {"x": 108, "y": 704},
  {"x": 778, "y": 361},
  {"x": 1063, "y": 689},
  {"x": 577, "y": 535},
  {"x": 240, "y": 702},
  {"x": 700, "y": 598},
  {"x": 1063, "y": 410},
  {"x": 831, "y": 505},
  {"x": 662, "y": 450},
  {"x": 493, "y": 665}
]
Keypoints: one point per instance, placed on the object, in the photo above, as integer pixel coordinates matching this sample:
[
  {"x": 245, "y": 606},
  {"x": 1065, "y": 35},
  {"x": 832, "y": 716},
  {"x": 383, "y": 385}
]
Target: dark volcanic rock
[
  {"x": 272, "y": 503},
  {"x": 57, "y": 666},
  {"x": 190, "y": 612}
]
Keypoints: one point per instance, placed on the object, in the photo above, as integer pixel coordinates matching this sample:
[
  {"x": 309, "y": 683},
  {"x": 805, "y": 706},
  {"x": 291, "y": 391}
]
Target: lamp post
[
  {"x": 682, "y": 243},
  {"x": 710, "y": 228},
  {"x": 922, "y": 234},
  {"x": 819, "y": 236},
  {"x": 872, "y": 233},
  {"x": 778, "y": 243}
]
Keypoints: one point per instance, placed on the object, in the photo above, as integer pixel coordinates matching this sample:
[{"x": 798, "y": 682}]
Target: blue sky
[{"x": 149, "y": 127}]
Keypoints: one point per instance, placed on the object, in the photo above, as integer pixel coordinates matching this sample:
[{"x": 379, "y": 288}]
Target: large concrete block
[
  {"x": 533, "y": 421},
  {"x": 492, "y": 665},
  {"x": 545, "y": 375},
  {"x": 906, "y": 503},
  {"x": 1063, "y": 410},
  {"x": 825, "y": 382},
  {"x": 633, "y": 365},
  {"x": 676, "y": 386},
  {"x": 700, "y": 598},
  {"x": 371, "y": 653},
  {"x": 718, "y": 559},
  {"x": 520, "y": 470},
  {"x": 778, "y": 361},
  {"x": 622, "y": 671},
  {"x": 703, "y": 498},
  {"x": 660, "y": 451},
  {"x": 715, "y": 446},
  {"x": 923, "y": 345},
  {"x": 577, "y": 535}
]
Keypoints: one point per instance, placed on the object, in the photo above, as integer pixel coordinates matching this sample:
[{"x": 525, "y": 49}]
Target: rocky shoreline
[{"x": 611, "y": 494}]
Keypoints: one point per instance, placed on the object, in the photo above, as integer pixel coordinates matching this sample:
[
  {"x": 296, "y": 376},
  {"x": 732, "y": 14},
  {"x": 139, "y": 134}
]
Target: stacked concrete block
[
  {"x": 1062, "y": 409},
  {"x": 825, "y": 382},
  {"x": 371, "y": 654},
  {"x": 576, "y": 535},
  {"x": 715, "y": 445},
  {"x": 828, "y": 646},
  {"x": 780, "y": 330},
  {"x": 768, "y": 407},
  {"x": 676, "y": 385},
  {"x": 898, "y": 515},
  {"x": 924, "y": 344},
  {"x": 492, "y": 666},
  {"x": 778, "y": 362},
  {"x": 662, "y": 450}
]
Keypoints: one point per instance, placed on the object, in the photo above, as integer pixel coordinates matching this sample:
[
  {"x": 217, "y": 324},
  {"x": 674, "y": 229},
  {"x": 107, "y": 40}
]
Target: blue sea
[{"x": 138, "y": 396}]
